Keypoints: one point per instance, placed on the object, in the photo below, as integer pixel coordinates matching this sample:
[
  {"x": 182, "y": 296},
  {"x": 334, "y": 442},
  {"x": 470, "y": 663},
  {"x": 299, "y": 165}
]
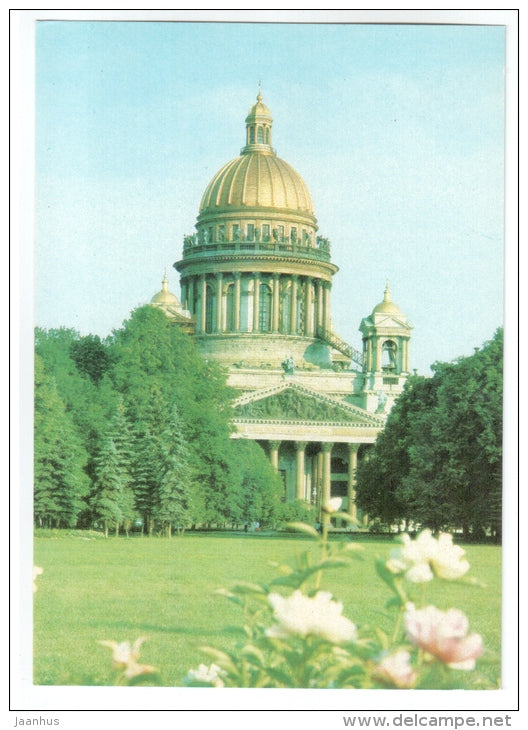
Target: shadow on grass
[{"x": 130, "y": 626}]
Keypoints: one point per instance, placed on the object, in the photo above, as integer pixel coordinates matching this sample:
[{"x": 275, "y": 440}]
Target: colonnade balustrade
[{"x": 258, "y": 302}]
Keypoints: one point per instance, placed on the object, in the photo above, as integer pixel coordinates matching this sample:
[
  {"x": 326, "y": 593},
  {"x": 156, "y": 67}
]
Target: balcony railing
[{"x": 193, "y": 247}]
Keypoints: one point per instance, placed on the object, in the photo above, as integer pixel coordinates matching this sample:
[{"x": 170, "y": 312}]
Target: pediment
[
  {"x": 292, "y": 402},
  {"x": 385, "y": 322}
]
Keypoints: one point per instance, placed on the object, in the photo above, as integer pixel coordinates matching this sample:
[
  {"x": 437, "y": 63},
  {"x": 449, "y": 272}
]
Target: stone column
[
  {"x": 190, "y": 302},
  {"x": 293, "y": 304},
  {"x": 236, "y": 303},
  {"x": 274, "y": 454},
  {"x": 219, "y": 308},
  {"x": 326, "y": 448},
  {"x": 327, "y": 315},
  {"x": 184, "y": 286},
  {"x": 276, "y": 305},
  {"x": 320, "y": 306},
  {"x": 203, "y": 295},
  {"x": 351, "y": 491},
  {"x": 300, "y": 447},
  {"x": 308, "y": 329},
  {"x": 256, "y": 301}
]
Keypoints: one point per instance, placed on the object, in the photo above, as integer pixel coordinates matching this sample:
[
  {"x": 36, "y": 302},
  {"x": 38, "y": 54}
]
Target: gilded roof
[
  {"x": 387, "y": 306},
  {"x": 257, "y": 179}
]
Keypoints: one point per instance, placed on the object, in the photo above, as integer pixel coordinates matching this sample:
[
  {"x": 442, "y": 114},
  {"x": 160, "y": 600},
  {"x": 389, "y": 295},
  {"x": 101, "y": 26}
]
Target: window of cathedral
[
  {"x": 250, "y": 232},
  {"x": 252, "y": 135},
  {"x": 265, "y": 232},
  {"x": 260, "y": 135},
  {"x": 265, "y": 308}
]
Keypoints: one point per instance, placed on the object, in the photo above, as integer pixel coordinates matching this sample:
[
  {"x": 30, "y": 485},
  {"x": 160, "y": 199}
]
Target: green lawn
[{"x": 120, "y": 589}]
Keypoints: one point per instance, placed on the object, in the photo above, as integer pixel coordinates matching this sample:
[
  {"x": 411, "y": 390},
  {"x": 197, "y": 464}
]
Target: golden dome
[
  {"x": 387, "y": 306},
  {"x": 257, "y": 179},
  {"x": 165, "y": 297}
]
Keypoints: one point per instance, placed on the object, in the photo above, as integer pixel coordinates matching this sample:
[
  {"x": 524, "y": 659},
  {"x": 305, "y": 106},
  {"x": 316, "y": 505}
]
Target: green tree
[
  {"x": 91, "y": 357},
  {"x": 438, "y": 462},
  {"x": 259, "y": 487},
  {"x": 60, "y": 483},
  {"x": 156, "y": 365},
  {"x": 113, "y": 499},
  {"x": 175, "y": 501}
]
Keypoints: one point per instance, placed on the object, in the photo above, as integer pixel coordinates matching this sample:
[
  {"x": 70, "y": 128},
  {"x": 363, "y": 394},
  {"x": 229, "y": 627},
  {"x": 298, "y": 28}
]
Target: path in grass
[{"x": 120, "y": 589}]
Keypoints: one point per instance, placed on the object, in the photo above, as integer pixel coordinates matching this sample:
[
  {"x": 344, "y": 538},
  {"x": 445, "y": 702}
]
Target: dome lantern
[{"x": 258, "y": 128}]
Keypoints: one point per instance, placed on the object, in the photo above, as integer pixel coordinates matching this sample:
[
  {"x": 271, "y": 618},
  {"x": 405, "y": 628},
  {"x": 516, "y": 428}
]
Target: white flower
[
  {"x": 125, "y": 657},
  {"x": 332, "y": 505},
  {"x": 444, "y": 634},
  {"x": 448, "y": 562},
  {"x": 425, "y": 557},
  {"x": 36, "y": 571},
  {"x": 319, "y": 616},
  {"x": 206, "y": 675},
  {"x": 396, "y": 669}
]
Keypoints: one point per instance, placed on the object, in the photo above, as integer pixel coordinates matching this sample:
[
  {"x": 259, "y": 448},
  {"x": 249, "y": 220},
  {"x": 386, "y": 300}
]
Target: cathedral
[{"x": 256, "y": 282}]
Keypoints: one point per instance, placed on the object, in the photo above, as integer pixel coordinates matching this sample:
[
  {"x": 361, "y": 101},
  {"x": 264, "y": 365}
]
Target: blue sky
[{"x": 398, "y": 131}]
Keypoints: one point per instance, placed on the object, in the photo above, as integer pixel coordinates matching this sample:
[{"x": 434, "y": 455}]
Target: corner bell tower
[{"x": 386, "y": 335}]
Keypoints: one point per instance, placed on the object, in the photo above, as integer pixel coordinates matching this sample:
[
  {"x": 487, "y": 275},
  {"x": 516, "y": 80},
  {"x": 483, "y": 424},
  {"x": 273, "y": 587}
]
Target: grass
[{"x": 120, "y": 589}]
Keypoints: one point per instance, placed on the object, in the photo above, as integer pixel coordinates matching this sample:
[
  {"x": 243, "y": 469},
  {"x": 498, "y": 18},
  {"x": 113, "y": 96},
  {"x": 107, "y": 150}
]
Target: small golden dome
[
  {"x": 165, "y": 297},
  {"x": 259, "y": 110},
  {"x": 387, "y": 306}
]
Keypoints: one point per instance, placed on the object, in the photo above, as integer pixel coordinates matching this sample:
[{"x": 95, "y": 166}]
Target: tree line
[
  {"x": 438, "y": 461},
  {"x": 134, "y": 431}
]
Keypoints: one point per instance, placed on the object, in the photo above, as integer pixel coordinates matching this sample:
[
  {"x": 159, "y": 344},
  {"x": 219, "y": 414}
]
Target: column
[
  {"x": 203, "y": 295},
  {"x": 351, "y": 491},
  {"x": 326, "y": 448},
  {"x": 256, "y": 302},
  {"x": 274, "y": 454},
  {"x": 236, "y": 303},
  {"x": 377, "y": 365},
  {"x": 183, "y": 300},
  {"x": 190, "y": 301},
  {"x": 219, "y": 307},
  {"x": 308, "y": 316},
  {"x": 293, "y": 304},
  {"x": 275, "y": 310},
  {"x": 300, "y": 447},
  {"x": 320, "y": 306},
  {"x": 327, "y": 317}
]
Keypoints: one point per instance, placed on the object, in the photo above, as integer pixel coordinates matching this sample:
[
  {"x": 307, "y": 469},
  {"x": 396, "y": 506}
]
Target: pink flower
[
  {"x": 444, "y": 635},
  {"x": 396, "y": 669}
]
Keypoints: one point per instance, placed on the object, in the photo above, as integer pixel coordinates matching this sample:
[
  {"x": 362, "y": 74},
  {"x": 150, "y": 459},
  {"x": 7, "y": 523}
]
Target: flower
[
  {"x": 299, "y": 615},
  {"x": 332, "y": 505},
  {"x": 444, "y": 635},
  {"x": 205, "y": 675},
  {"x": 125, "y": 658},
  {"x": 396, "y": 669},
  {"x": 36, "y": 571},
  {"x": 425, "y": 557}
]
